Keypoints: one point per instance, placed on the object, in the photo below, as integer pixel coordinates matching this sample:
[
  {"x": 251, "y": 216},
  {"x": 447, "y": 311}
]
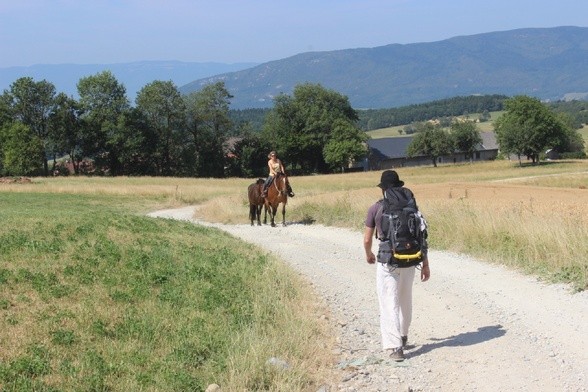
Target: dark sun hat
[{"x": 390, "y": 178}]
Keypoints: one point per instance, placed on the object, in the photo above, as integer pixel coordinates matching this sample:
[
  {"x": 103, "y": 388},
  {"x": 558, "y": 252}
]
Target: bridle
[{"x": 281, "y": 177}]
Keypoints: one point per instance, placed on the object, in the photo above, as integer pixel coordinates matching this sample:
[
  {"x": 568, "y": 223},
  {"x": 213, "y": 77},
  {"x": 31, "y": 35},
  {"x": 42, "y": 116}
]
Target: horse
[
  {"x": 277, "y": 193},
  {"x": 256, "y": 202}
]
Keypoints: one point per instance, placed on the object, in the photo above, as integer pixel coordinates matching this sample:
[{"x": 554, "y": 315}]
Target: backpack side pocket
[{"x": 384, "y": 252}]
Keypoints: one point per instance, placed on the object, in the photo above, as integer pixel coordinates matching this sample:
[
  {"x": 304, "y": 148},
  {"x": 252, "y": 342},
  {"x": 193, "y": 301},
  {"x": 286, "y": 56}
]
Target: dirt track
[{"x": 476, "y": 327}]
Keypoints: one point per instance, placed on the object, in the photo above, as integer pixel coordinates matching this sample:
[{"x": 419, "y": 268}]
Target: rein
[{"x": 275, "y": 183}]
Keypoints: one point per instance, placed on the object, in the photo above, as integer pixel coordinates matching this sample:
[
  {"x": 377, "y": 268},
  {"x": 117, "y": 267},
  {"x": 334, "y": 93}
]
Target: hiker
[
  {"x": 394, "y": 279},
  {"x": 275, "y": 166}
]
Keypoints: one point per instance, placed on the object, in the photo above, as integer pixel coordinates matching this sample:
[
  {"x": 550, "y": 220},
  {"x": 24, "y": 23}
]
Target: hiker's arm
[
  {"x": 368, "y": 235},
  {"x": 425, "y": 271}
]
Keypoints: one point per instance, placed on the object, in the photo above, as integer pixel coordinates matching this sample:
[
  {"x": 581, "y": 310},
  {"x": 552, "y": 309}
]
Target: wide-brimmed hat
[{"x": 390, "y": 178}]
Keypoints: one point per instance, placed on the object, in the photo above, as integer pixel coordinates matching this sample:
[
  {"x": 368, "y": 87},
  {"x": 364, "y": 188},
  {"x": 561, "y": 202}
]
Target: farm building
[{"x": 391, "y": 152}]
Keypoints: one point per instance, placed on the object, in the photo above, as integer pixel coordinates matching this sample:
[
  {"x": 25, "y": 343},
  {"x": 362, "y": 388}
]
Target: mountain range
[{"x": 547, "y": 63}]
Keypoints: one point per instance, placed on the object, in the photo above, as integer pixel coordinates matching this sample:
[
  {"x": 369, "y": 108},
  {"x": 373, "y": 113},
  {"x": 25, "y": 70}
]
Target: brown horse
[
  {"x": 277, "y": 193},
  {"x": 256, "y": 202}
]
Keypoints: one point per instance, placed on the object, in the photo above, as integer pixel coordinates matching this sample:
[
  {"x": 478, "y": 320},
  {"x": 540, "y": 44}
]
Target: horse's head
[{"x": 281, "y": 184}]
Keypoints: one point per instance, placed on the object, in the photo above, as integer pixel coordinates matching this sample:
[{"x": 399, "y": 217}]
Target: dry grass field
[{"x": 534, "y": 217}]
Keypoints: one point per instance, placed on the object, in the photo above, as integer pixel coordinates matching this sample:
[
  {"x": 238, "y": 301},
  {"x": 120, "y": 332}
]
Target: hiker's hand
[
  {"x": 425, "y": 272},
  {"x": 370, "y": 257}
]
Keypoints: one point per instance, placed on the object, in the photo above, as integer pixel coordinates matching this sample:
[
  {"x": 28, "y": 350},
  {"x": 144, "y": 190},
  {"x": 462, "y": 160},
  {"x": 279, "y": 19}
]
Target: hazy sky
[{"x": 118, "y": 31}]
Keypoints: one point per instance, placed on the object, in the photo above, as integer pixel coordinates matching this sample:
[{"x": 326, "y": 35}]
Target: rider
[{"x": 275, "y": 166}]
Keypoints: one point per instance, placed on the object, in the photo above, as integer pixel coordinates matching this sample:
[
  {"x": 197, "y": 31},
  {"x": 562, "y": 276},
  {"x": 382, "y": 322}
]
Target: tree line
[
  {"x": 314, "y": 130},
  {"x": 527, "y": 128},
  {"x": 43, "y": 132}
]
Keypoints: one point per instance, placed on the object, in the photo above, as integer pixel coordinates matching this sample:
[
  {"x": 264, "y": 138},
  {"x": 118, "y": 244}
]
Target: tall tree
[
  {"x": 301, "y": 125},
  {"x": 66, "y": 124},
  {"x": 21, "y": 150},
  {"x": 528, "y": 128},
  {"x": 347, "y": 143},
  {"x": 209, "y": 124},
  {"x": 466, "y": 137},
  {"x": 251, "y": 155},
  {"x": 572, "y": 143},
  {"x": 162, "y": 107},
  {"x": 31, "y": 104},
  {"x": 431, "y": 141},
  {"x": 104, "y": 104}
]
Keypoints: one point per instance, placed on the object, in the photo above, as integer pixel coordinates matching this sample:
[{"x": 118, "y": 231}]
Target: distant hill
[
  {"x": 547, "y": 63},
  {"x": 133, "y": 75}
]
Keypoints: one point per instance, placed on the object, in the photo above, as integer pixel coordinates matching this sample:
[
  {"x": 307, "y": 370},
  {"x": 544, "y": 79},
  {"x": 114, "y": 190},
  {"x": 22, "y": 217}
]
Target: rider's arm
[{"x": 271, "y": 169}]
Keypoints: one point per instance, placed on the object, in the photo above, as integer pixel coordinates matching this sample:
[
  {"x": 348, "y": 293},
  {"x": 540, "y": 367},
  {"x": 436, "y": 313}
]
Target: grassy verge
[{"x": 93, "y": 297}]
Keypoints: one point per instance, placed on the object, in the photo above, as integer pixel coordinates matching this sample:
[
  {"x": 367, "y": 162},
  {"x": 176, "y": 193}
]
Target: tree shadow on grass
[{"x": 482, "y": 334}]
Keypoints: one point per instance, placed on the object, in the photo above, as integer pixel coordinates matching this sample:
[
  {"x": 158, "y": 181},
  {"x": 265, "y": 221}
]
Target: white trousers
[{"x": 394, "y": 287}]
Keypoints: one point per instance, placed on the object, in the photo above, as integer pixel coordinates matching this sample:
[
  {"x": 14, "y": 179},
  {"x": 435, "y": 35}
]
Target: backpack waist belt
[{"x": 408, "y": 257}]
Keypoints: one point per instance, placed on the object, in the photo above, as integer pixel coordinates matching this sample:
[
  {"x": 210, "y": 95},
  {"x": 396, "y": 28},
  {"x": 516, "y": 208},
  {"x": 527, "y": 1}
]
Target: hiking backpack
[{"x": 403, "y": 228}]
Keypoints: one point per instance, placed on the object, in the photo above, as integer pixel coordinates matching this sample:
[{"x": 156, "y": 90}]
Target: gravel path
[{"x": 476, "y": 327}]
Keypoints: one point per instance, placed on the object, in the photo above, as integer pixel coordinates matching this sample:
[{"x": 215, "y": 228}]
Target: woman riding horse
[
  {"x": 275, "y": 166},
  {"x": 277, "y": 193}
]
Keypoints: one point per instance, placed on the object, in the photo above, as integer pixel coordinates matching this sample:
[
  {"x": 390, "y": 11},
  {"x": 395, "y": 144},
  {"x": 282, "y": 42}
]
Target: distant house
[{"x": 391, "y": 152}]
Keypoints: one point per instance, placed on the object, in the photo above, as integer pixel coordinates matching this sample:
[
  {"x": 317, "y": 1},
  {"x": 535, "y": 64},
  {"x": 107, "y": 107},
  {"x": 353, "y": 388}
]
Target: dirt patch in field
[{"x": 15, "y": 180}]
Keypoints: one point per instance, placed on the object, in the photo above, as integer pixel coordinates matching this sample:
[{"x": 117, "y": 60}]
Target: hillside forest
[{"x": 314, "y": 130}]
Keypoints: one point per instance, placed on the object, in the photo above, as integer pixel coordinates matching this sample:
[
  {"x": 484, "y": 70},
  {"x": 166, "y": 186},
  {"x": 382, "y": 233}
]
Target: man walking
[{"x": 394, "y": 278}]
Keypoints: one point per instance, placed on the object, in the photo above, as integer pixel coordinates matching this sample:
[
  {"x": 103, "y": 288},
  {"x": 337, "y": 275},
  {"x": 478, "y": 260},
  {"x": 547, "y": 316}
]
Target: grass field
[
  {"x": 398, "y": 130},
  {"x": 482, "y": 127},
  {"x": 96, "y": 296}
]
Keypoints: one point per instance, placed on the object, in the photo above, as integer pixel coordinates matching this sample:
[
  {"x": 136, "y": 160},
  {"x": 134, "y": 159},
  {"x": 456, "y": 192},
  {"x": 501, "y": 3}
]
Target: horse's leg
[
  {"x": 258, "y": 210},
  {"x": 273, "y": 212},
  {"x": 283, "y": 214},
  {"x": 251, "y": 213},
  {"x": 265, "y": 214}
]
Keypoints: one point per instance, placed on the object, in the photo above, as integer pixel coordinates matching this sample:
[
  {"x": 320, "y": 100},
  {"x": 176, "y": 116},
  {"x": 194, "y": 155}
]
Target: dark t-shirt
[{"x": 372, "y": 219}]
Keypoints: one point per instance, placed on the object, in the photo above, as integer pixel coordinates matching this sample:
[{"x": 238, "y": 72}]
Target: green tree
[
  {"x": 209, "y": 124},
  {"x": 5, "y": 112},
  {"x": 572, "y": 143},
  {"x": 21, "y": 150},
  {"x": 32, "y": 104},
  {"x": 347, "y": 143},
  {"x": 431, "y": 141},
  {"x": 162, "y": 106},
  {"x": 66, "y": 124},
  {"x": 528, "y": 128},
  {"x": 300, "y": 126},
  {"x": 104, "y": 105},
  {"x": 251, "y": 155},
  {"x": 466, "y": 137}
]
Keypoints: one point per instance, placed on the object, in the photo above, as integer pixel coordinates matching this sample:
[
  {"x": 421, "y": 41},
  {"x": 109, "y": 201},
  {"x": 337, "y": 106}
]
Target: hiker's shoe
[
  {"x": 404, "y": 341},
  {"x": 291, "y": 194},
  {"x": 264, "y": 194},
  {"x": 397, "y": 355}
]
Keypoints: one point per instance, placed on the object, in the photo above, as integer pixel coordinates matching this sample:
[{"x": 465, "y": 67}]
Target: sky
[{"x": 234, "y": 31}]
